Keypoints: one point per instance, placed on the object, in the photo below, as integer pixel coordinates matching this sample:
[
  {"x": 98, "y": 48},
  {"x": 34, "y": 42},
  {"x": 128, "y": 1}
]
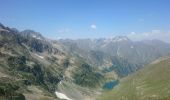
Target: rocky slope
[{"x": 30, "y": 64}]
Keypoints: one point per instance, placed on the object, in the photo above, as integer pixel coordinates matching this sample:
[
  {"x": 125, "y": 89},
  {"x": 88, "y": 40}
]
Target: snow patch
[
  {"x": 60, "y": 82},
  {"x": 119, "y": 39},
  {"x": 39, "y": 56},
  {"x": 38, "y": 38},
  {"x": 34, "y": 36},
  {"x": 118, "y": 49},
  {"x": 62, "y": 96}
]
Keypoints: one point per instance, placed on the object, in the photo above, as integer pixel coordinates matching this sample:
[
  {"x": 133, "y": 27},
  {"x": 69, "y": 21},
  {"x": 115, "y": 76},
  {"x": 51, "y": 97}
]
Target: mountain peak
[
  {"x": 120, "y": 38},
  {"x": 31, "y": 33},
  {"x": 2, "y": 26}
]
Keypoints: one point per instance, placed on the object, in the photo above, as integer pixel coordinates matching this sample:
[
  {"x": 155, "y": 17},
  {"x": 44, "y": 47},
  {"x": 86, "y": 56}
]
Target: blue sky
[{"x": 88, "y": 18}]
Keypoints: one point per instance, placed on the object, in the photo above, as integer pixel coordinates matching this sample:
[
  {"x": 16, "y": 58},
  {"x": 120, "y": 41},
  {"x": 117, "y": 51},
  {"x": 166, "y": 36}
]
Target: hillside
[
  {"x": 34, "y": 68},
  {"x": 150, "y": 83}
]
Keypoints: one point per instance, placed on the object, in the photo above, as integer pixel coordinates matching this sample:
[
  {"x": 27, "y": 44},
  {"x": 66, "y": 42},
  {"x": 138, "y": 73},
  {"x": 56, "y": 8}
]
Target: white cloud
[
  {"x": 93, "y": 26},
  {"x": 153, "y": 34}
]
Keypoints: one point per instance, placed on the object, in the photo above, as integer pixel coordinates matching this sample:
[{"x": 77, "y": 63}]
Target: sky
[{"x": 137, "y": 19}]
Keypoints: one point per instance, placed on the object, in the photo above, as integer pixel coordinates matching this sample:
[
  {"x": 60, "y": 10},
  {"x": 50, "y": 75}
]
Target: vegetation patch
[{"x": 87, "y": 76}]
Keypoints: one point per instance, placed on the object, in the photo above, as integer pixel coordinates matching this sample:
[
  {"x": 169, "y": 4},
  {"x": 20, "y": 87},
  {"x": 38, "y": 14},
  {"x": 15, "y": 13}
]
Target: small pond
[{"x": 111, "y": 84}]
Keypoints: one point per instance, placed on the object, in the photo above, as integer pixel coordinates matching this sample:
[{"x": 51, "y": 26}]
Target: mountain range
[
  {"x": 33, "y": 67},
  {"x": 119, "y": 53}
]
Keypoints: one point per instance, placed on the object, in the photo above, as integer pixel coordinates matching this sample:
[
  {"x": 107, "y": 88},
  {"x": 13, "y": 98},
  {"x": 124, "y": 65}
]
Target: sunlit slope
[{"x": 150, "y": 83}]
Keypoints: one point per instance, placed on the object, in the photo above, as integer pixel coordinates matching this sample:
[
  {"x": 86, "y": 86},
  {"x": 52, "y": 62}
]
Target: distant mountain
[
  {"x": 150, "y": 83},
  {"x": 118, "y": 53}
]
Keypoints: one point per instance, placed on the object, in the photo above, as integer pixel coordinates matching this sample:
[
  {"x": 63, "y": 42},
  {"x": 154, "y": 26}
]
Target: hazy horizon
[{"x": 136, "y": 19}]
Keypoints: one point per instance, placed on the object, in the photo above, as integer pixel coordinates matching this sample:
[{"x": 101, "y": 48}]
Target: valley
[
  {"x": 33, "y": 67},
  {"x": 150, "y": 83}
]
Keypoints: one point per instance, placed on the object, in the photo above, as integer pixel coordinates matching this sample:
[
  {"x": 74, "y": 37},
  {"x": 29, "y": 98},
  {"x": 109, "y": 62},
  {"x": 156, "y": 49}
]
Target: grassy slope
[{"x": 150, "y": 83}]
